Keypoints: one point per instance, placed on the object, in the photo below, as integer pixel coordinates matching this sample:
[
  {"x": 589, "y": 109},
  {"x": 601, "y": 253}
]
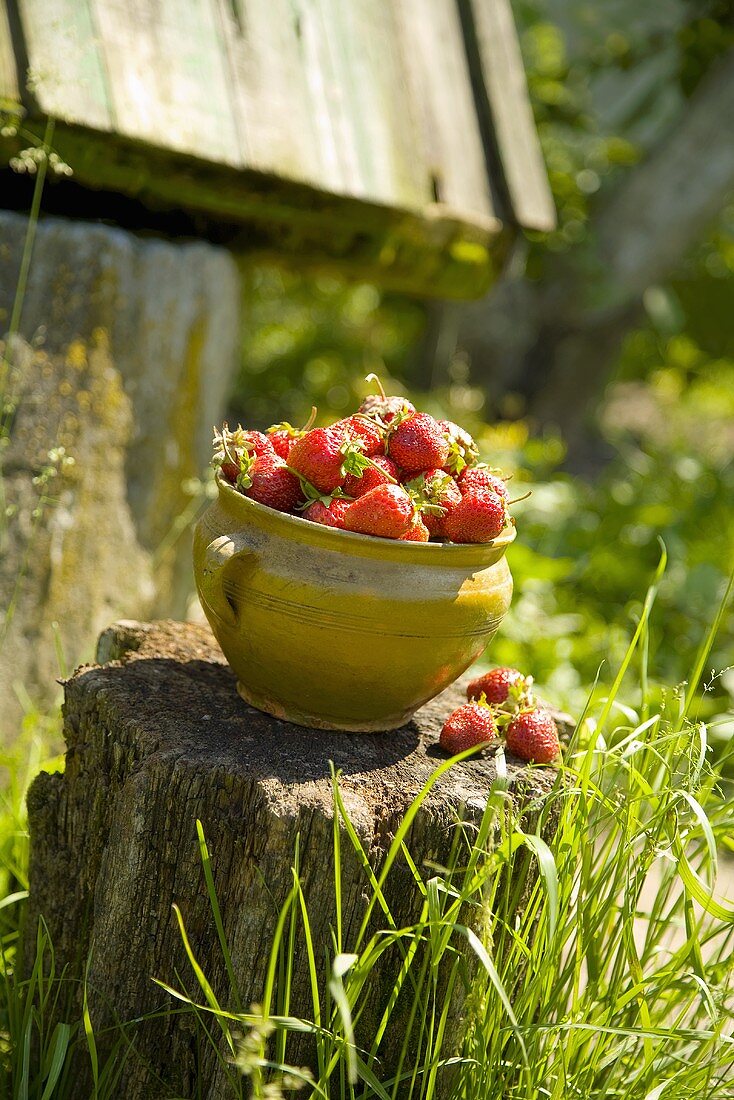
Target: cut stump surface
[{"x": 157, "y": 738}]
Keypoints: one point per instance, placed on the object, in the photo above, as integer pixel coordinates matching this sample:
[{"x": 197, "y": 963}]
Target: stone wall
[{"x": 123, "y": 361}]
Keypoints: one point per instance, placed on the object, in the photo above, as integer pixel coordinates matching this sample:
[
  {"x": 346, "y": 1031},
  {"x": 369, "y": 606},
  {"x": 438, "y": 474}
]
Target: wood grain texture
[
  {"x": 502, "y": 78},
  {"x": 167, "y": 75},
  {"x": 439, "y": 85},
  {"x": 66, "y": 72},
  {"x": 156, "y": 738},
  {"x": 9, "y": 87},
  {"x": 366, "y": 98}
]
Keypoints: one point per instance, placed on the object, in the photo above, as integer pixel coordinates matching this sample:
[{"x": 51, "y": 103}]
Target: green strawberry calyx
[
  {"x": 233, "y": 447},
  {"x": 426, "y": 492},
  {"x": 354, "y": 462}
]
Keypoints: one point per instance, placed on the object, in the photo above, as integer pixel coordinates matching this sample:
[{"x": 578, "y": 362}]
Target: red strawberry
[
  {"x": 378, "y": 473},
  {"x": 468, "y": 725},
  {"x": 317, "y": 457},
  {"x": 479, "y": 477},
  {"x": 386, "y": 409},
  {"x": 269, "y": 481},
  {"x": 231, "y": 449},
  {"x": 254, "y": 441},
  {"x": 330, "y": 515},
  {"x": 496, "y": 685},
  {"x": 533, "y": 735},
  {"x": 370, "y": 434},
  {"x": 478, "y": 517},
  {"x": 386, "y": 510},
  {"x": 438, "y": 489},
  {"x": 463, "y": 451},
  {"x": 418, "y": 444},
  {"x": 231, "y": 471},
  {"x": 417, "y": 532},
  {"x": 282, "y": 437}
]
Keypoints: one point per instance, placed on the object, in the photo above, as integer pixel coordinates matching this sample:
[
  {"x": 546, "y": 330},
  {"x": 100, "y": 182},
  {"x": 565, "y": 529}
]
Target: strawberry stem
[
  {"x": 309, "y": 423},
  {"x": 374, "y": 378}
]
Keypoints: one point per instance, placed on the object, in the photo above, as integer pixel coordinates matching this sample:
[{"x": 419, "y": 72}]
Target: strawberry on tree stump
[{"x": 157, "y": 738}]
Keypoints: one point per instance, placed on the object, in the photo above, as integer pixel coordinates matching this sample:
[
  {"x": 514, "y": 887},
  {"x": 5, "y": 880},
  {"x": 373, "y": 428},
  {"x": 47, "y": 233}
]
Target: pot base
[{"x": 301, "y": 718}]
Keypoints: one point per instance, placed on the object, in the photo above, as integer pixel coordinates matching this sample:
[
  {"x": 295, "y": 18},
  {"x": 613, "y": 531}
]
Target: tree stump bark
[{"x": 157, "y": 738}]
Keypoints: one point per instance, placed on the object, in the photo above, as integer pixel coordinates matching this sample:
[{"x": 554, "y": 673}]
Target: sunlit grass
[{"x": 588, "y": 942}]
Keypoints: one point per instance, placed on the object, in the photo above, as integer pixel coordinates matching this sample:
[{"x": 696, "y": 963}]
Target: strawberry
[
  {"x": 417, "y": 532},
  {"x": 480, "y": 477},
  {"x": 379, "y": 472},
  {"x": 463, "y": 451},
  {"x": 323, "y": 457},
  {"x": 330, "y": 515},
  {"x": 468, "y": 725},
  {"x": 231, "y": 471},
  {"x": 269, "y": 481},
  {"x": 435, "y": 493},
  {"x": 386, "y": 510},
  {"x": 317, "y": 457},
  {"x": 366, "y": 431},
  {"x": 386, "y": 409},
  {"x": 282, "y": 437},
  {"x": 418, "y": 443},
  {"x": 497, "y": 685},
  {"x": 478, "y": 517},
  {"x": 533, "y": 735},
  {"x": 232, "y": 448}
]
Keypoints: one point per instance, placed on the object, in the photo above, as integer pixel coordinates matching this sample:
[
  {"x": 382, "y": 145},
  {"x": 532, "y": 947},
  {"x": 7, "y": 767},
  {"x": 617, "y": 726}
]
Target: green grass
[{"x": 598, "y": 964}]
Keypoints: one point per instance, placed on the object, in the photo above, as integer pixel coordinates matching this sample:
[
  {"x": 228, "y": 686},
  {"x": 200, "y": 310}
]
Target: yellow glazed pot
[{"x": 336, "y": 630}]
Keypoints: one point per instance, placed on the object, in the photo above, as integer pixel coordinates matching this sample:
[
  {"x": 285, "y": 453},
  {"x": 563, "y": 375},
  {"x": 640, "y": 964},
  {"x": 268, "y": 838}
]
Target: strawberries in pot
[
  {"x": 463, "y": 451},
  {"x": 386, "y": 409},
  {"x": 329, "y": 515},
  {"x": 282, "y": 437},
  {"x": 386, "y": 511},
  {"x": 418, "y": 443},
  {"x": 438, "y": 491},
  {"x": 269, "y": 481},
  {"x": 479, "y": 477},
  {"x": 417, "y": 532},
  {"x": 381, "y": 471},
  {"x": 478, "y": 517},
  {"x": 233, "y": 449},
  {"x": 366, "y": 431},
  {"x": 435, "y": 493}
]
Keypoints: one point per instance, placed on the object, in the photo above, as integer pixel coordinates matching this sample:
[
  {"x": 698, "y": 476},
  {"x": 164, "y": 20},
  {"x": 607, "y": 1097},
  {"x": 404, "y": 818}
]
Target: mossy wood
[
  {"x": 157, "y": 738},
  {"x": 124, "y": 359},
  {"x": 393, "y": 135}
]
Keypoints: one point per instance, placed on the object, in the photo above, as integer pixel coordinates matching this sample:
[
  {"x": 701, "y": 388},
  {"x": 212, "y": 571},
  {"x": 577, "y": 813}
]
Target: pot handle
[{"x": 217, "y": 556}]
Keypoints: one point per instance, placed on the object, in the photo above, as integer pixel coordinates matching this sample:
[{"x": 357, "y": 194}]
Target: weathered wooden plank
[
  {"x": 66, "y": 73},
  {"x": 167, "y": 75},
  {"x": 277, "y": 133},
  {"x": 503, "y": 78},
  {"x": 438, "y": 80},
  {"x": 9, "y": 88},
  {"x": 368, "y": 69}
]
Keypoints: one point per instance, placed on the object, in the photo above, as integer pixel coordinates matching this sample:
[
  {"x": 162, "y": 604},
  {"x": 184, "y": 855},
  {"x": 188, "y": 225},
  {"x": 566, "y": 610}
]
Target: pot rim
[{"x": 333, "y": 538}]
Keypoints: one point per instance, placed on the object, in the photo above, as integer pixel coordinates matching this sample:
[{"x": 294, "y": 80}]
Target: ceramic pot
[{"x": 336, "y": 630}]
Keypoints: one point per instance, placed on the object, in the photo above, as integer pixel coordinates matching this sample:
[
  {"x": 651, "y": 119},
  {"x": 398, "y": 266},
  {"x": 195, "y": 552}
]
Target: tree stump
[{"x": 157, "y": 738}]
